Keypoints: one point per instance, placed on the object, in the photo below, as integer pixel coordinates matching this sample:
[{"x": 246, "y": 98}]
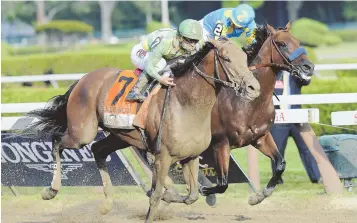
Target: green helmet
[{"x": 191, "y": 29}]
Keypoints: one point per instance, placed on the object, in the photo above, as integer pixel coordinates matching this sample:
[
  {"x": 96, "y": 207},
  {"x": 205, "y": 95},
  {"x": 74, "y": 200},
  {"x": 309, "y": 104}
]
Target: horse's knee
[
  {"x": 96, "y": 150},
  {"x": 70, "y": 142},
  {"x": 280, "y": 168}
]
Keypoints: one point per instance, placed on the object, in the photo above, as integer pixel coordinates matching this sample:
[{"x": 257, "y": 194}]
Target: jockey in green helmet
[{"x": 151, "y": 54}]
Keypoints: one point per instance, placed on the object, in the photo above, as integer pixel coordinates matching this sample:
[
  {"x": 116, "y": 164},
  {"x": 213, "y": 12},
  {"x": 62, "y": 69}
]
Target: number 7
[{"x": 127, "y": 80}]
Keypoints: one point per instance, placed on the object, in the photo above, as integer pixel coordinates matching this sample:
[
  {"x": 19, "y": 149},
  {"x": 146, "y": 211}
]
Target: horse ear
[
  {"x": 288, "y": 26},
  {"x": 271, "y": 29}
]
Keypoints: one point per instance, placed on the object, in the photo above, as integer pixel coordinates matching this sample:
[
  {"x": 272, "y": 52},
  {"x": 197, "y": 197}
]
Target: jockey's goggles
[
  {"x": 230, "y": 23},
  {"x": 193, "y": 41}
]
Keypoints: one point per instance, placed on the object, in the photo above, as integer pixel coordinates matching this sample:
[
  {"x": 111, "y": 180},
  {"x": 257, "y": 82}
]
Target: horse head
[
  {"x": 286, "y": 50},
  {"x": 282, "y": 50},
  {"x": 233, "y": 63}
]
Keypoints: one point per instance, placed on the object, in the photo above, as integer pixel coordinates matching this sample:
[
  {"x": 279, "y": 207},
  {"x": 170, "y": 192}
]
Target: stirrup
[{"x": 133, "y": 96}]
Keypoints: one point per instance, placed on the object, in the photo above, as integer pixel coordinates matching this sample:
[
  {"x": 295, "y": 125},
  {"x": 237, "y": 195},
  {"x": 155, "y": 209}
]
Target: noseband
[
  {"x": 229, "y": 83},
  {"x": 288, "y": 66}
]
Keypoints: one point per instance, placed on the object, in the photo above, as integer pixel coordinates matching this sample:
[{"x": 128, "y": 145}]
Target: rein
[
  {"x": 233, "y": 85},
  {"x": 288, "y": 66},
  {"x": 229, "y": 84}
]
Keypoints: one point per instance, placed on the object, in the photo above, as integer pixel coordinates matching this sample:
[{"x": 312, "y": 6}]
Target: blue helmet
[{"x": 242, "y": 15}]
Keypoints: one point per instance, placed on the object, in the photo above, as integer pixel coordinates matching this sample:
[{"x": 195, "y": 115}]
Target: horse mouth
[{"x": 305, "y": 76}]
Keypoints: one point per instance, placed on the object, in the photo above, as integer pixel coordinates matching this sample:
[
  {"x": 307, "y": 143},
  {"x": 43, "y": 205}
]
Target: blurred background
[
  {"x": 70, "y": 37},
  {"x": 64, "y": 37}
]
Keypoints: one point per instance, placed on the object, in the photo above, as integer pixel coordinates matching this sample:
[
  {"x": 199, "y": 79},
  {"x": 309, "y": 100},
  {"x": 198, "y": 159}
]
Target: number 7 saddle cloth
[{"x": 120, "y": 113}]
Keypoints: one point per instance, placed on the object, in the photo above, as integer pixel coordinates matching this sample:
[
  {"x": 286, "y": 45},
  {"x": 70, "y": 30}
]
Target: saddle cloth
[{"x": 120, "y": 113}]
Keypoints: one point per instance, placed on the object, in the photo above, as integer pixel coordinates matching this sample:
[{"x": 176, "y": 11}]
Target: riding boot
[{"x": 135, "y": 94}]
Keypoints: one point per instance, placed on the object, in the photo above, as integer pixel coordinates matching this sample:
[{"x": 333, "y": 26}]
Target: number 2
[
  {"x": 127, "y": 80},
  {"x": 155, "y": 42},
  {"x": 218, "y": 29}
]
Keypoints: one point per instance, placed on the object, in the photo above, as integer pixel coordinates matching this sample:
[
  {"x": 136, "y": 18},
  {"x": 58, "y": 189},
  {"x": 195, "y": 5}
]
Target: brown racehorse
[
  {"x": 237, "y": 123},
  {"x": 73, "y": 118},
  {"x": 235, "y": 120}
]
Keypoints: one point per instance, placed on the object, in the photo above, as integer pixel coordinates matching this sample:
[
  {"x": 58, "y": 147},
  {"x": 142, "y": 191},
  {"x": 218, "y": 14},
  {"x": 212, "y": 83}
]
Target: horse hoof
[
  {"x": 203, "y": 191},
  {"x": 268, "y": 191},
  {"x": 211, "y": 200},
  {"x": 166, "y": 198},
  {"x": 48, "y": 193},
  {"x": 190, "y": 201},
  {"x": 106, "y": 206},
  {"x": 256, "y": 198}
]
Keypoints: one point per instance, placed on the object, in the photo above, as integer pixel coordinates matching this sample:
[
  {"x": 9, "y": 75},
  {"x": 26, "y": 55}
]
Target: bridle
[
  {"x": 288, "y": 66},
  {"x": 216, "y": 76}
]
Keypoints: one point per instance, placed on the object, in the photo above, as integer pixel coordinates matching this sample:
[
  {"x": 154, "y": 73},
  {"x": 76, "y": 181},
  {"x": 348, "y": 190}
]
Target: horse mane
[
  {"x": 261, "y": 35},
  {"x": 180, "y": 69}
]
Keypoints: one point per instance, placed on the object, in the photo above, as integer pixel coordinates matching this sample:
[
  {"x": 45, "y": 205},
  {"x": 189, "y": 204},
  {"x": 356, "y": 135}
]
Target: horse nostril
[
  {"x": 250, "y": 87},
  {"x": 306, "y": 67}
]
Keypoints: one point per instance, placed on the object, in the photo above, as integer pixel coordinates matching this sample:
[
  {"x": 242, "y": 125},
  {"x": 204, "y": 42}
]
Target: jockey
[
  {"x": 151, "y": 53},
  {"x": 230, "y": 22}
]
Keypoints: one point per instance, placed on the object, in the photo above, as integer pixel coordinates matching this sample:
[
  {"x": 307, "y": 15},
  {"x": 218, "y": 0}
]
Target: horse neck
[
  {"x": 266, "y": 75},
  {"x": 196, "y": 92}
]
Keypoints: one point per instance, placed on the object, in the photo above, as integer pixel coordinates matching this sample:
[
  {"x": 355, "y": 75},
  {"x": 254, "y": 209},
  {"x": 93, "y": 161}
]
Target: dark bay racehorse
[
  {"x": 73, "y": 119},
  {"x": 237, "y": 122}
]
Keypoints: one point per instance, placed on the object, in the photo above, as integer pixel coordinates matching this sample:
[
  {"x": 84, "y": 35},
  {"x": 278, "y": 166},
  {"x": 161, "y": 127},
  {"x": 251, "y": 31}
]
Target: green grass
[
  {"x": 8, "y": 51},
  {"x": 294, "y": 174},
  {"x": 34, "y": 94},
  {"x": 17, "y": 94},
  {"x": 346, "y": 47}
]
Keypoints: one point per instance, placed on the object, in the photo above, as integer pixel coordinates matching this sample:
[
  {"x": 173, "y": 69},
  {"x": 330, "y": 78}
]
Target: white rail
[
  {"x": 347, "y": 66},
  {"x": 32, "y": 78},
  {"x": 287, "y": 100},
  {"x": 303, "y": 99},
  {"x": 77, "y": 76},
  {"x": 282, "y": 116}
]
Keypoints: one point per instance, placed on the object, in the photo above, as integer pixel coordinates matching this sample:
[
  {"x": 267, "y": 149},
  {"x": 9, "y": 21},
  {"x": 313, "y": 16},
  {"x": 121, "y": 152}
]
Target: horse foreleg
[
  {"x": 161, "y": 169},
  {"x": 190, "y": 171},
  {"x": 170, "y": 194},
  {"x": 222, "y": 156},
  {"x": 147, "y": 160},
  {"x": 101, "y": 150},
  {"x": 267, "y": 146}
]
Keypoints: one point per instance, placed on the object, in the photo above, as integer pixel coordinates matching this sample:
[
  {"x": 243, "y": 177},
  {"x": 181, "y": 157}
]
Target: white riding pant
[
  {"x": 206, "y": 34},
  {"x": 139, "y": 57}
]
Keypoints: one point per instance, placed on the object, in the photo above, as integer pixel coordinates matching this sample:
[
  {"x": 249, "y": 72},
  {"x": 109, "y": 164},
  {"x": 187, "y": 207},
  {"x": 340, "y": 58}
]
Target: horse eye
[
  {"x": 225, "y": 58},
  {"x": 282, "y": 44}
]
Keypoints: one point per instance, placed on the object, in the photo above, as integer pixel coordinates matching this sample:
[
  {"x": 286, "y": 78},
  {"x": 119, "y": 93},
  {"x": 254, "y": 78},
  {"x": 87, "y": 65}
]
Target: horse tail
[{"x": 52, "y": 120}]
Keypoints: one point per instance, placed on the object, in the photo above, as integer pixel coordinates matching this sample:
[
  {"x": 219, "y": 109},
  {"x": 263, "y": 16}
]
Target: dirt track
[{"x": 279, "y": 208}]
